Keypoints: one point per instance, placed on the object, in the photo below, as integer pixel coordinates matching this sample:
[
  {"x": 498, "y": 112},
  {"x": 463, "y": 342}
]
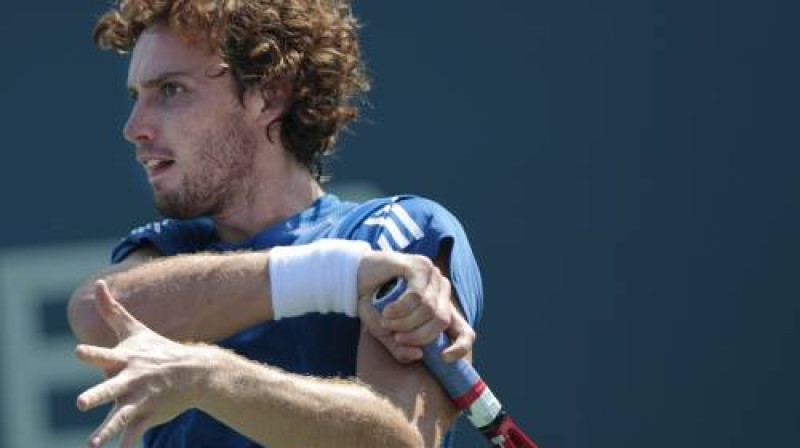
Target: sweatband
[{"x": 319, "y": 277}]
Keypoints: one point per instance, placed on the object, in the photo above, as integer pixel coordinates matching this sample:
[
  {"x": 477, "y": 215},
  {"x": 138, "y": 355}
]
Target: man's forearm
[
  {"x": 202, "y": 297},
  {"x": 285, "y": 410}
]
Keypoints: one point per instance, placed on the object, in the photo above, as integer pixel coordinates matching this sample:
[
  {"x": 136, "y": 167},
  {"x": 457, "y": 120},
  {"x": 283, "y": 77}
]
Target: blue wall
[{"x": 628, "y": 172}]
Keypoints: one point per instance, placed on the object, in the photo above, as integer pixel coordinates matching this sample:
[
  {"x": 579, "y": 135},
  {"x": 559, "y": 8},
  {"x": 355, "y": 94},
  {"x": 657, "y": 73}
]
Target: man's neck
[{"x": 267, "y": 204}]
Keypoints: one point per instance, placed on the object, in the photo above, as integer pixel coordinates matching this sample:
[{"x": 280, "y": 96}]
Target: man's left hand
[{"x": 150, "y": 379}]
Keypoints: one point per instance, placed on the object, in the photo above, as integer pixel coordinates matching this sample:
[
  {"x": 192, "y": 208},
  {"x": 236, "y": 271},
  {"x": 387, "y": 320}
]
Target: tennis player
[{"x": 236, "y": 105}]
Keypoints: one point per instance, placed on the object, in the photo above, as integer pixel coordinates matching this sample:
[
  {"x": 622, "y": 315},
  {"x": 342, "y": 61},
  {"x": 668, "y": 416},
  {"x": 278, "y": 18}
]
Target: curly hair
[{"x": 310, "y": 43}]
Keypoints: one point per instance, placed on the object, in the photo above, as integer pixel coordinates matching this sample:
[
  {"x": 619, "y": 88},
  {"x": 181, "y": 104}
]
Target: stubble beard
[{"x": 221, "y": 178}]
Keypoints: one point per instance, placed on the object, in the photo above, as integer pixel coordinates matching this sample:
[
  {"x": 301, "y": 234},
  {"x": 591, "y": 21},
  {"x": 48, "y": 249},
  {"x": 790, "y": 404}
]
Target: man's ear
[{"x": 269, "y": 102}]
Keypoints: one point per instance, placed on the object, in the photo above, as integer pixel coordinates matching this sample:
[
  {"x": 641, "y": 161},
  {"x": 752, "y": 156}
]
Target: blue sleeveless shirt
[{"x": 323, "y": 345}]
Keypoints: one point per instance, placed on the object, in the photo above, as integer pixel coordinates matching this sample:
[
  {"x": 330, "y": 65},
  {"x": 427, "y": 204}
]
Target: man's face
[{"x": 192, "y": 135}]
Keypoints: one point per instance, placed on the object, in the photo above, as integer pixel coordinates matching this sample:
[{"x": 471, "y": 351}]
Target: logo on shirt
[
  {"x": 151, "y": 227},
  {"x": 397, "y": 229}
]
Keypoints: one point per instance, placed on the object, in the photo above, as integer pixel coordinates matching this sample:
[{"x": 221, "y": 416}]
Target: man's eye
[{"x": 170, "y": 89}]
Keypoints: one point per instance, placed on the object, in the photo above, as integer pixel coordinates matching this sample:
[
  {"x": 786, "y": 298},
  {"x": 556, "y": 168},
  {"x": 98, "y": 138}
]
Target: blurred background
[{"x": 628, "y": 171}]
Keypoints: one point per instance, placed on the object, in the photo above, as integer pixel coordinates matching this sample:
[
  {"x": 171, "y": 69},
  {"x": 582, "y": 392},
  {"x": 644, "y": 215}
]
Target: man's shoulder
[
  {"x": 404, "y": 205},
  {"x": 168, "y": 236},
  {"x": 394, "y": 222},
  {"x": 171, "y": 226},
  {"x": 176, "y": 228}
]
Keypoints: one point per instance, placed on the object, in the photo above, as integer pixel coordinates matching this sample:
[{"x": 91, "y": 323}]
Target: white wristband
[{"x": 318, "y": 277}]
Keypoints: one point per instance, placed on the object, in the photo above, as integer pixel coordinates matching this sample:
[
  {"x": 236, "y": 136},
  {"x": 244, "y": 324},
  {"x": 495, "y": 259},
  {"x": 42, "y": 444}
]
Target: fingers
[
  {"x": 103, "y": 393},
  {"x": 423, "y": 282},
  {"x": 418, "y": 319},
  {"x": 103, "y": 358},
  {"x": 116, "y": 421},
  {"x": 372, "y": 320},
  {"x": 406, "y": 354},
  {"x": 421, "y": 314},
  {"x": 94, "y": 441},
  {"x": 133, "y": 433},
  {"x": 462, "y": 338},
  {"x": 423, "y": 335},
  {"x": 411, "y": 312},
  {"x": 115, "y": 315},
  {"x": 378, "y": 267},
  {"x": 420, "y": 272},
  {"x": 402, "y": 353}
]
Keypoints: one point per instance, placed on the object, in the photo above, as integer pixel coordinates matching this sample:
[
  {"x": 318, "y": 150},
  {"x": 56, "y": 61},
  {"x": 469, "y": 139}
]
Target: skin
[
  {"x": 223, "y": 164},
  {"x": 207, "y": 153}
]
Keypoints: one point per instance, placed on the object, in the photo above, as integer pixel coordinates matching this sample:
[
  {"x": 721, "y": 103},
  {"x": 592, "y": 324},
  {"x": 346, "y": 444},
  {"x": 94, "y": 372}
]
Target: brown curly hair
[{"x": 311, "y": 43}]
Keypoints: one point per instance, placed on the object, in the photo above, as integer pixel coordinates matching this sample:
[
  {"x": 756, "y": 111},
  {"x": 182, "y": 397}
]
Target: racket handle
[{"x": 461, "y": 381}]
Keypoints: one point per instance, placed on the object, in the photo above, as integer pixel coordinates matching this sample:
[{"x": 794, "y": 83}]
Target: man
[{"x": 236, "y": 104}]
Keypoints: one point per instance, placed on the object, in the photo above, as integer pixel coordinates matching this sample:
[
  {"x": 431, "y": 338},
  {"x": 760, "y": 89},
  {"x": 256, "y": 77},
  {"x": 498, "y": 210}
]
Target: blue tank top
[{"x": 304, "y": 344}]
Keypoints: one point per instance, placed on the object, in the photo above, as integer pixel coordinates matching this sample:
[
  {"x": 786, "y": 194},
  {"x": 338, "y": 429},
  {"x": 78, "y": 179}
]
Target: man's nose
[{"x": 140, "y": 127}]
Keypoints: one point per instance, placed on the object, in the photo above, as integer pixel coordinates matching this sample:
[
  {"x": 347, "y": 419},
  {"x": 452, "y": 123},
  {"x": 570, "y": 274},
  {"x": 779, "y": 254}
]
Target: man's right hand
[{"x": 426, "y": 309}]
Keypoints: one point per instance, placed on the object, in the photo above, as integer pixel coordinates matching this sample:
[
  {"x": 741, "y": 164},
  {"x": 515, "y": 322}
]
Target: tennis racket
[{"x": 463, "y": 384}]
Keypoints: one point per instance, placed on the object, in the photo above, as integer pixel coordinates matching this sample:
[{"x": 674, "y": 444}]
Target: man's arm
[
  {"x": 303, "y": 411},
  {"x": 152, "y": 379},
  {"x": 418, "y": 407},
  {"x": 412, "y": 387},
  {"x": 180, "y": 297}
]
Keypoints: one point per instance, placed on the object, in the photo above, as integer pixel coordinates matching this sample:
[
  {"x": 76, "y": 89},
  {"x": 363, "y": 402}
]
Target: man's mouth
[{"x": 156, "y": 167}]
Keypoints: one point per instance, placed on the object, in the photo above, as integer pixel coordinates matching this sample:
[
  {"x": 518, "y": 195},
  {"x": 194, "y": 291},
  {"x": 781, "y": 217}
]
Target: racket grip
[{"x": 462, "y": 382}]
